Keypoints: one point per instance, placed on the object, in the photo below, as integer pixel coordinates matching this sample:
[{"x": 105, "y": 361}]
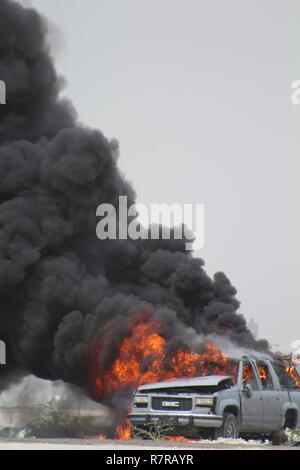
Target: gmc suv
[{"x": 263, "y": 399}]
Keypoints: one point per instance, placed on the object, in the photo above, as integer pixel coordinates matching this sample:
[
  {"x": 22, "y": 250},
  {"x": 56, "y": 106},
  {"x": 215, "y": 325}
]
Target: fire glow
[
  {"x": 291, "y": 370},
  {"x": 142, "y": 358}
]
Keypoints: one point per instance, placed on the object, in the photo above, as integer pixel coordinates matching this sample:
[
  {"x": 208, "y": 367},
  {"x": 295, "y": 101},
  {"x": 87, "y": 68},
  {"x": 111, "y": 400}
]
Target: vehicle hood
[{"x": 207, "y": 381}]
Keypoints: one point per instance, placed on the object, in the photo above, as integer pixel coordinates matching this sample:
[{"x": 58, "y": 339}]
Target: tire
[
  {"x": 277, "y": 438},
  {"x": 230, "y": 428}
]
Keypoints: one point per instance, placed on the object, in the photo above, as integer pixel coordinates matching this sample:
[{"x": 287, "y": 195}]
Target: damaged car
[{"x": 259, "y": 399}]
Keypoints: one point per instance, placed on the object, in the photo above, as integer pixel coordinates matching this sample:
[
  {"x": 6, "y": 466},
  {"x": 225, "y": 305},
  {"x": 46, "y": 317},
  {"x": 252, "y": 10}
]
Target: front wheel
[{"x": 229, "y": 428}]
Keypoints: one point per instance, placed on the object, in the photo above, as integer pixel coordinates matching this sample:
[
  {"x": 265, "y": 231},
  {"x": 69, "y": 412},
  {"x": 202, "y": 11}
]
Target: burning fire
[
  {"x": 291, "y": 370},
  {"x": 262, "y": 373},
  {"x": 142, "y": 358},
  {"x": 177, "y": 438},
  {"x": 123, "y": 432}
]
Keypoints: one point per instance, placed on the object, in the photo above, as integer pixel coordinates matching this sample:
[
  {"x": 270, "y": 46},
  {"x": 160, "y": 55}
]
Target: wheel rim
[{"x": 230, "y": 430}]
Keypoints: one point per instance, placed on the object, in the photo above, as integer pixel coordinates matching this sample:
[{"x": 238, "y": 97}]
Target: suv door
[
  {"x": 251, "y": 406},
  {"x": 273, "y": 398}
]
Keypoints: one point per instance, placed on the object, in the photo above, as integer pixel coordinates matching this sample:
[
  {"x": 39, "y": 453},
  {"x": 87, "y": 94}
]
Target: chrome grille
[{"x": 171, "y": 404}]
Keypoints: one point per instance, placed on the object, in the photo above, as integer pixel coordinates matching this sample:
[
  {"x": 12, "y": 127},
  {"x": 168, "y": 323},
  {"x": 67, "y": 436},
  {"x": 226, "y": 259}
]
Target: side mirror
[{"x": 247, "y": 390}]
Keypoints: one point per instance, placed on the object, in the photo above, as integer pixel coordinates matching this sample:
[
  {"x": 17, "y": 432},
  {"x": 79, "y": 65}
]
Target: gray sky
[{"x": 198, "y": 92}]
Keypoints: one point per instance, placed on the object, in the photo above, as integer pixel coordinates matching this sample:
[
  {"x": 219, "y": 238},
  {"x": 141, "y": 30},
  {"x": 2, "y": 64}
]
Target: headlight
[
  {"x": 140, "y": 400},
  {"x": 204, "y": 401}
]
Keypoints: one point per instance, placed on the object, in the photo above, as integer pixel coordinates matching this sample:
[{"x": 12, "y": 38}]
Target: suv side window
[
  {"x": 265, "y": 376},
  {"x": 248, "y": 376},
  {"x": 285, "y": 379}
]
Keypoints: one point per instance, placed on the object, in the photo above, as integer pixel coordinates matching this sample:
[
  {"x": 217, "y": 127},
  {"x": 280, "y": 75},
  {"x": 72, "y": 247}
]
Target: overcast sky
[{"x": 198, "y": 92}]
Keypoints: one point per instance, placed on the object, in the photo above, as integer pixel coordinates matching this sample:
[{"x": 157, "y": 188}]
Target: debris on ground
[{"x": 293, "y": 437}]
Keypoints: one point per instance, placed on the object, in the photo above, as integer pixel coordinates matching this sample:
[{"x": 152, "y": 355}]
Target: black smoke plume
[{"x": 60, "y": 285}]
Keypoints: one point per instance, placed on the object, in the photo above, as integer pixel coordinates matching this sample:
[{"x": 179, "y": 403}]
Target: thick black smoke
[{"x": 60, "y": 285}]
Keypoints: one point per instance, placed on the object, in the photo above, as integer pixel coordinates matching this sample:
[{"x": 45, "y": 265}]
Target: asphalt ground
[{"x": 111, "y": 445}]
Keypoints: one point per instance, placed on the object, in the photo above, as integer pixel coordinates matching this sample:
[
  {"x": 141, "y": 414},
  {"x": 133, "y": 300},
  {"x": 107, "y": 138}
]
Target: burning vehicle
[
  {"x": 105, "y": 315},
  {"x": 257, "y": 398}
]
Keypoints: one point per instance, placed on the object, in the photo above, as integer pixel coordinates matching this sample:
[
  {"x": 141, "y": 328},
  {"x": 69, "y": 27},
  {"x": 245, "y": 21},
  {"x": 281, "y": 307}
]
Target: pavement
[{"x": 110, "y": 445}]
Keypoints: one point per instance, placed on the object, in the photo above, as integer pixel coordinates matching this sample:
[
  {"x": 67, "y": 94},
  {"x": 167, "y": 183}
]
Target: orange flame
[
  {"x": 123, "y": 432},
  {"x": 262, "y": 373},
  {"x": 142, "y": 358},
  {"x": 291, "y": 370},
  {"x": 177, "y": 438}
]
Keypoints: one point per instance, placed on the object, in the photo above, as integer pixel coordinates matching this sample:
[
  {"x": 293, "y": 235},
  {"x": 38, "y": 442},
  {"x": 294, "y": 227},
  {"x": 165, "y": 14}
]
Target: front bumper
[{"x": 197, "y": 420}]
